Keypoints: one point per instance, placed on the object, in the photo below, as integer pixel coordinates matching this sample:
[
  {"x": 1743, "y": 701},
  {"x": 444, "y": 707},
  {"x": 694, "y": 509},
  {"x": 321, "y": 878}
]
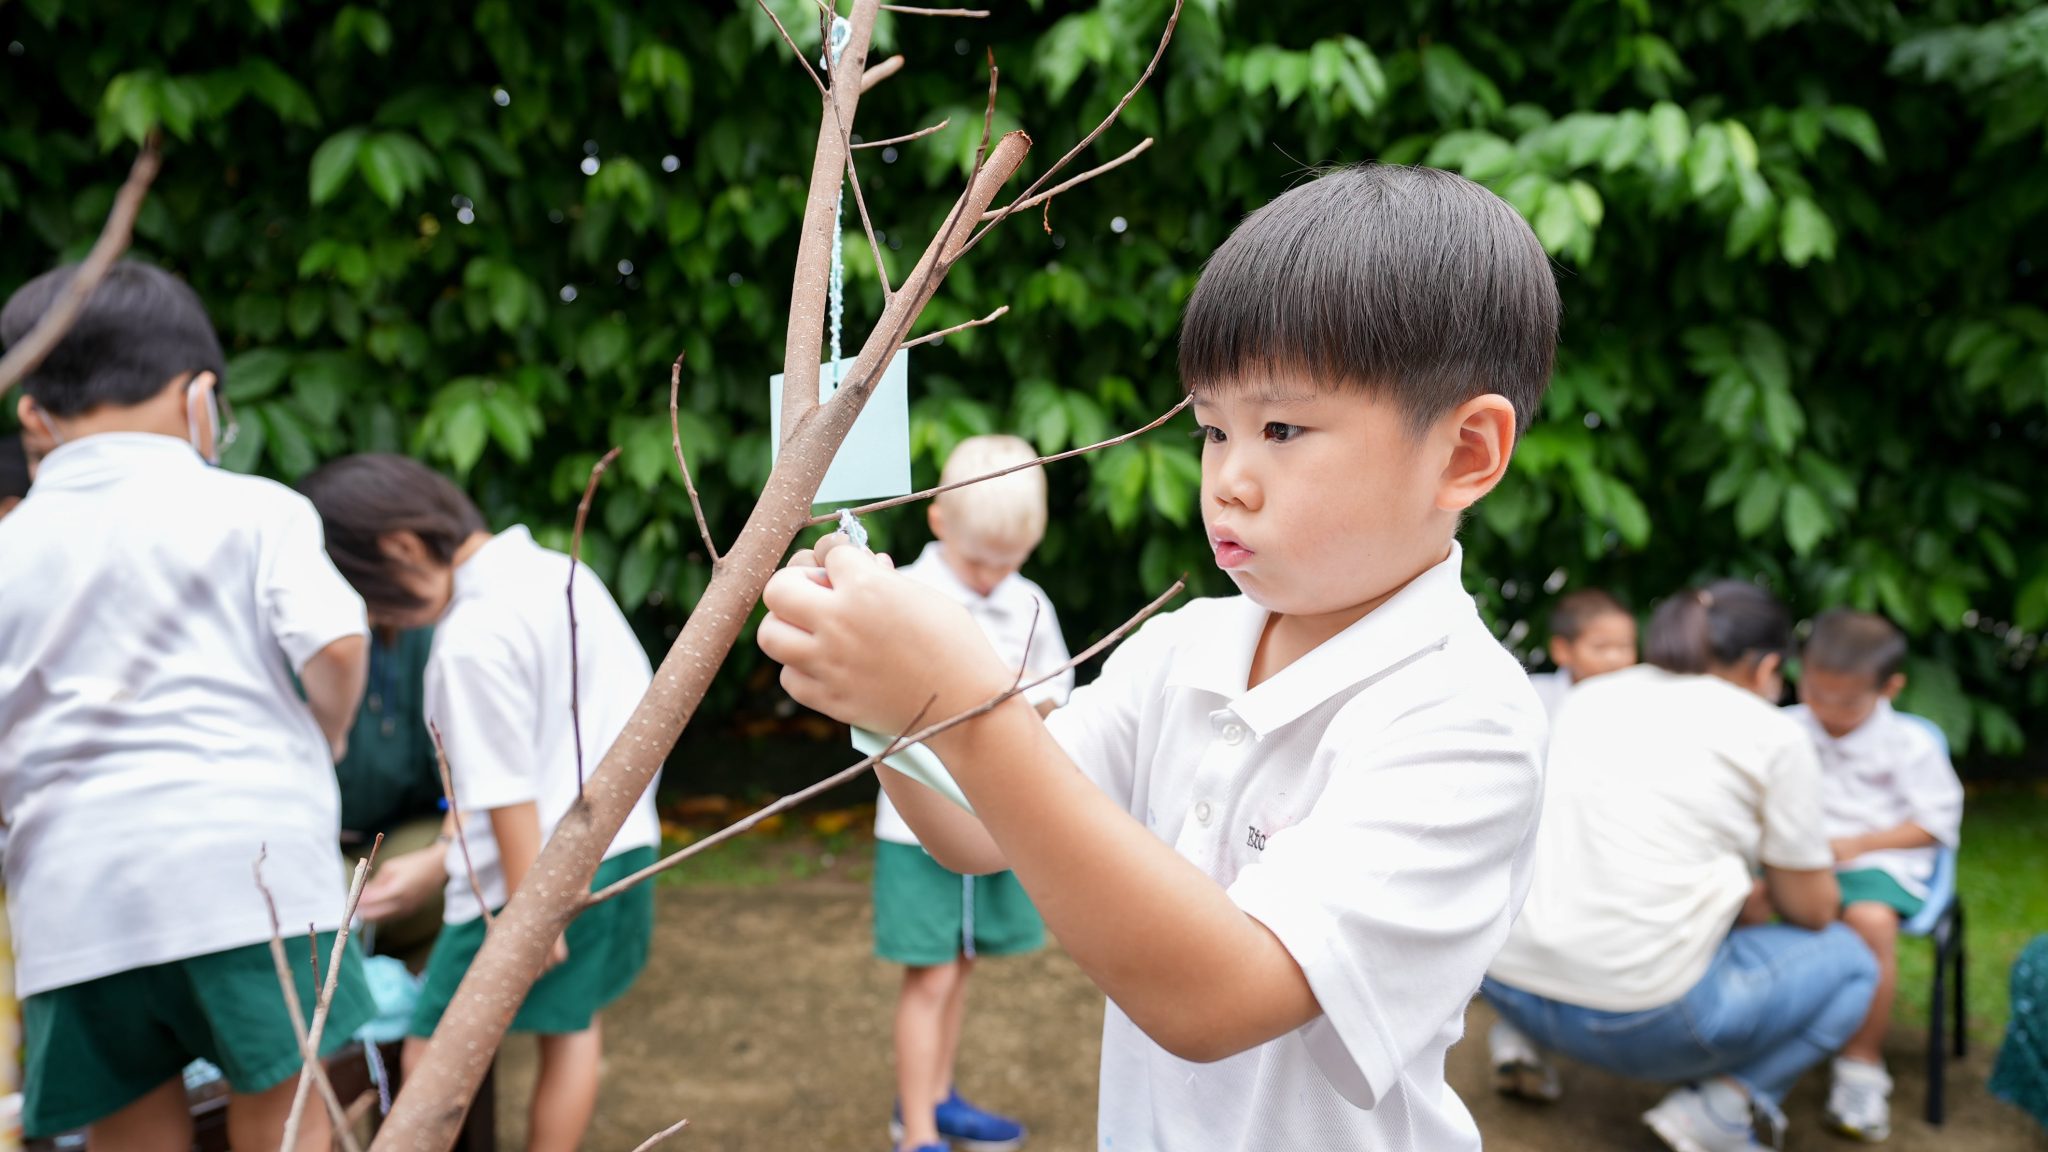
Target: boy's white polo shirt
[
  {"x": 1373, "y": 805},
  {"x": 1885, "y": 773},
  {"x": 1006, "y": 616},
  {"x": 498, "y": 688},
  {"x": 152, "y": 743}
]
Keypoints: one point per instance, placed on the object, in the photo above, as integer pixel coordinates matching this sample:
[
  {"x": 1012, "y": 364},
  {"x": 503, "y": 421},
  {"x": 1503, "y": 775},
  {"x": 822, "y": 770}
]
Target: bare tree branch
[
  {"x": 988, "y": 115},
  {"x": 648, "y": 1144},
  {"x": 962, "y": 327},
  {"x": 880, "y": 72},
  {"x": 914, "y": 497},
  {"x": 801, "y": 58},
  {"x": 476, "y": 887},
  {"x": 28, "y": 352},
  {"x": 905, "y": 10},
  {"x": 569, "y": 594},
  {"x": 1164, "y": 39},
  {"x": 1049, "y": 193},
  {"x": 1030, "y": 635},
  {"x": 675, "y": 430},
  {"x": 320, "y": 1009},
  {"x": 902, "y": 741},
  {"x": 920, "y": 134},
  {"x": 311, "y": 1055}
]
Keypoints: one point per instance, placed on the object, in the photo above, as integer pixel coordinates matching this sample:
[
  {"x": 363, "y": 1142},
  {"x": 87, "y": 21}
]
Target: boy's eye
[
  {"x": 1280, "y": 433},
  {"x": 1209, "y": 434}
]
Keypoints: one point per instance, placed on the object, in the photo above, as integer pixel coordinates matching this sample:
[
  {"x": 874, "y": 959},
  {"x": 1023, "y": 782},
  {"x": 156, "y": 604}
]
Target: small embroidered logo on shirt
[{"x": 1257, "y": 839}]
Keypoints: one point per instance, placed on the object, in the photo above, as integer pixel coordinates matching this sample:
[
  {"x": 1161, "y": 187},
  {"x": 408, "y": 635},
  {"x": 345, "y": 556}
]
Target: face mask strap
[{"x": 209, "y": 447}]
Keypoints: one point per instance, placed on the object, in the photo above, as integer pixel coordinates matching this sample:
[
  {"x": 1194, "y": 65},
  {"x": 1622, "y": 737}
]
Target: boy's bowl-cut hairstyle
[
  {"x": 363, "y": 498},
  {"x": 139, "y": 330},
  {"x": 1006, "y": 510},
  {"x": 1578, "y": 609},
  {"x": 1857, "y": 643},
  {"x": 1413, "y": 285}
]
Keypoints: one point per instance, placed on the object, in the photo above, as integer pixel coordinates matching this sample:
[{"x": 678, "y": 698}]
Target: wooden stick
[
  {"x": 898, "y": 501},
  {"x": 945, "y": 332},
  {"x": 880, "y": 72},
  {"x": 455, "y": 815},
  {"x": 320, "y": 1009},
  {"x": 902, "y": 741},
  {"x": 647, "y": 1144},
  {"x": 675, "y": 431},
  {"x": 905, "y": 139},
  {"x": 1049, "y": 193},
  {"x": 569, "y": 593},
  {"x": 906, "y": 10},
  {"x": 38, "y": 342},
  {"x": 310, "y": 1055}
]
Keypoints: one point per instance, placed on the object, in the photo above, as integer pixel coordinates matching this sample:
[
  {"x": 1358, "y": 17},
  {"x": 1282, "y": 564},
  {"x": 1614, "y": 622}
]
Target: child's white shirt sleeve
[
  {"x": 481, "y": 697},
  {"x": 1795, "y": 830},
  {"x": 305, "y": 602},
  {"x": 1934, "y": 794},
  {"x": 1398, "y": 888}
]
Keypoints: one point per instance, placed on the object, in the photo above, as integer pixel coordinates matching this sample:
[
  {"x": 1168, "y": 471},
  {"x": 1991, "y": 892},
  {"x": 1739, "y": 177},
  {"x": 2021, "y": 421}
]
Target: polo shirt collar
[
  {"x": 1865, "y": 738},
  {"x": 110, "y": 454},
  {"x": 476, "y": 572},
  {"x": 1416, "y": 619}
]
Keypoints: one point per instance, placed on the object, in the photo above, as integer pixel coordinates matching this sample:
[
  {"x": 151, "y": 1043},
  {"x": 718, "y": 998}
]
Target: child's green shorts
[
  {"x": 95, "y": 1048},
  {"x": 926, "y": 915},
  {"x": 607, "y": 949},
  {"x": 1876, "y": 886}
]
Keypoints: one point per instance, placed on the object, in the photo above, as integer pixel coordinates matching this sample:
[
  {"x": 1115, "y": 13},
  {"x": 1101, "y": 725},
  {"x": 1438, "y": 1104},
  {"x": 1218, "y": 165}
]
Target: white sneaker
[
  {"x": 1860, "y": 1101},
  {"x": 1519, "y": 1067},
  {"x": 1712, "y": 1117}
]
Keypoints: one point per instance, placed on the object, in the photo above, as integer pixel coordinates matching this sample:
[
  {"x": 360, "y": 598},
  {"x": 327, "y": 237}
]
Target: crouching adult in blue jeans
[{"x": 1646, "y": 946}]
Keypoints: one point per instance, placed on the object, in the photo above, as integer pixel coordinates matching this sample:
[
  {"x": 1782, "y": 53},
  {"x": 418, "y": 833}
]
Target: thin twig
[
  {"x": 664, "y": 1134},
  {"x": 904, "y": 10},
  {"x": 1165, "y": 39},
  {"x": 880, "y": 72},
  {"x": 897, "y": 501},
  {"x": 455, "y": 813},
  {"x": 945, "y": 332},
  {"x": 1049, "y": 193},
  {"x": 905, "y": 139},
  {"x": 310, "y": 1055},
  {"x": 575, "y": 554},
  {"x": 1030, "y": 634},
  {"x": 28, "y": 352},
  {"x": 901, "y": 741},
  {"x": 320, "y": 1008},
  {"x": 798, "y": 52},
  {"x": 675, "y": 430},
  {"x": 988, "y": 115}
]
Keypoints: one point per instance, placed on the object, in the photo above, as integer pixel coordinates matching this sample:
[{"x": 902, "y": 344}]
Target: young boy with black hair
[
  {"x": 1285, "y": 832},
  {"x": 1590, "y": 634},
  {"x": 1890, "y": 798},
  {"x": 152, "y": 743}
]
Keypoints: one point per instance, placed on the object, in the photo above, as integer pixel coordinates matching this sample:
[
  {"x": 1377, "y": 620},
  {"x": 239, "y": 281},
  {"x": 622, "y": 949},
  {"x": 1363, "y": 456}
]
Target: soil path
[{"x": 764, "y": 1019}]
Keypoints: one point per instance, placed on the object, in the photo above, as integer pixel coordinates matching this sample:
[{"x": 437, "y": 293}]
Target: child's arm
[
  {"x": 517, "y": 830},
  {"x": 334, "y": 679},
  {"x": 1907, "y": 835}
]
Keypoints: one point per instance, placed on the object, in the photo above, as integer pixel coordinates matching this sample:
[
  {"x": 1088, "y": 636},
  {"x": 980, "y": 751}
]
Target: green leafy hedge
[{"x": 1801, "y": 246}]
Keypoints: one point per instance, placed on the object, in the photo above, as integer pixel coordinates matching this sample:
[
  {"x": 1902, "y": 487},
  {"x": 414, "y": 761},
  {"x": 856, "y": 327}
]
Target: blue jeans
[{"x": 1776, "y": 1001}]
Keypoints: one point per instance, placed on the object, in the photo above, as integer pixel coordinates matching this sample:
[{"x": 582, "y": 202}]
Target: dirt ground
[{"x": 764, "y": 1019}]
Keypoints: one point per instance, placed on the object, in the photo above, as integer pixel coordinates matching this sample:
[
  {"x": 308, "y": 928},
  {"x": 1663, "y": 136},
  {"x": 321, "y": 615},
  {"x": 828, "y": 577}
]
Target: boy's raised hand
[{"x": 870, "y": 647}]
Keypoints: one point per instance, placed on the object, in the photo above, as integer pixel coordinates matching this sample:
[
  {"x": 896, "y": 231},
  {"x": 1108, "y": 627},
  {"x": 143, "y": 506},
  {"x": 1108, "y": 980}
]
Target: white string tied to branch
[{"x": 837, "y": 39}]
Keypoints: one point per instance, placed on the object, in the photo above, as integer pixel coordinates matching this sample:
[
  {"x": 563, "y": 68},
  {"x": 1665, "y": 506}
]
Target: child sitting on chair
[
  {"x": 1590, "y": 633},
  {"x": 1890, "y": 798}
]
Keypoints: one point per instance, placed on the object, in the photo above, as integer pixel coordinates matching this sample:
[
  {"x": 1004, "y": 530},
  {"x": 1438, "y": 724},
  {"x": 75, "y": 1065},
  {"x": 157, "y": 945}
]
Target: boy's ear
[
  {"x": 1560, "y": 651},
  {"x": 405, "y": 549},
  {"x": 935, "y": 517},
  {"x": 1481, "y": 435},
  {"x": 1893, "y": 685}
]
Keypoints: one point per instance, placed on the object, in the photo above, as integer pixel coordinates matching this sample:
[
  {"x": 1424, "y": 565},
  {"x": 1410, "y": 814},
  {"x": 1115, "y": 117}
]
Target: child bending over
[
  {"x": 498, "y": 687},
  {"x": 1890, "y": 798},
  {"x": 1285, "y": 831}
]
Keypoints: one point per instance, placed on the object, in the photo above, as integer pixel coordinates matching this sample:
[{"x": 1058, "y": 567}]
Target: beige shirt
[{"x": 1665, "y": 792}]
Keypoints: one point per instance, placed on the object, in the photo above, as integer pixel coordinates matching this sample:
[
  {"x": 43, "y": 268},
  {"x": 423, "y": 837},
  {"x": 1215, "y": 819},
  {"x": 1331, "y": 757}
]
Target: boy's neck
[{"x": 1287, "y": 638}]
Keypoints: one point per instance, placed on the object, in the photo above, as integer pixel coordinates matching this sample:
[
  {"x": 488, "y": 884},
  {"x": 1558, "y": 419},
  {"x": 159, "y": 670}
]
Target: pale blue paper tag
[
  {"x": 917, "y": 762},
  {"x": 874, "y": 462}
]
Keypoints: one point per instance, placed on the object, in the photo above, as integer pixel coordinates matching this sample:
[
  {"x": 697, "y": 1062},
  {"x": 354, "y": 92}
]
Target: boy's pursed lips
[{"x": 1230, "y": 552}]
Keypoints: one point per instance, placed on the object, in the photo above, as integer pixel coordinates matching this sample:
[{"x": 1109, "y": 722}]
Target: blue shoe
[{"x": 973, "y": 1130}]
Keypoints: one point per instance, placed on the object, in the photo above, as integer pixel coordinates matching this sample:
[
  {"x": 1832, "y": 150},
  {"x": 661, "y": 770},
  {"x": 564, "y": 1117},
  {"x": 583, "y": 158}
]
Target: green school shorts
[
  {"x": 926, "y": 915},
  {"x": 1874, "y": 886},
  {"x": 95, "y": 1048},
  {"x": 607, "y": 949}
]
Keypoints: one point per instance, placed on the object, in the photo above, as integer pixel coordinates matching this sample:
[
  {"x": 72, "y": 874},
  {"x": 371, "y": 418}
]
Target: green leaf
[
  {"x": 256, "y": 374},
  {"x": 271, "y": 12},
  {"x": 1856, "y": 126},
  {"x": 2030, "y": 610},
  {"x": 1759, "y": 504},
  {"x": 602, "y": 347},
  {"x": 291, "y": 445},
  {"x": 1807, "y": 522},
  {"x": 463, "y": 432},
  {"x": 637, "y": 572},
  {"x": 1706, "y": 162},
  {"x": 332, "y": 162},
  {"x": 383, "y": 165},
  {"x": 1805, "y": 233},
  {"x": 305, "y": 311},
  {"x": 1670, "y": 134},
  {"x": 1175, "y": 482}
]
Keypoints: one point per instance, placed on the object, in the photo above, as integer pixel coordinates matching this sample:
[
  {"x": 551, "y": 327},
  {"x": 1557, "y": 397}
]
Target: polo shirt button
[
  {"x": 1233, "y": 733},
  {"x": 1203, "y": 813}
]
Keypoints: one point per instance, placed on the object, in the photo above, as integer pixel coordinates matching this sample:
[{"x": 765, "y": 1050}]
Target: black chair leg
[
  {"x": 1937, "y": 1049},
  {"x": 1962, "y": 958}
]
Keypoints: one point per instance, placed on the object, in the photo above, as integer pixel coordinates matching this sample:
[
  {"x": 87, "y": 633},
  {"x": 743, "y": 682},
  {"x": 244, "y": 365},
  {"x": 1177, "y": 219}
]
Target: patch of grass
[
  {"x": 764, "y": 858},
  {"x": 2005, "y": 903}
]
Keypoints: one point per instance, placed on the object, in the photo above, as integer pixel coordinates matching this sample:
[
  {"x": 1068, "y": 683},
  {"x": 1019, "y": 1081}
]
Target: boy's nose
[{"x": 1231, "y": 482}]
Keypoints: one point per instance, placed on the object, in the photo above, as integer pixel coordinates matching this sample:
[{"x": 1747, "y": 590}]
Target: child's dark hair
[
  {"x": 1857, "y": 643},
  {"x": 1577, "y": 609},
  {"x": 13, "y": 466},
  {"x": 141, "y": 328},
  {"x": 362, "y": 498},
  {"x": 1409, "y": 284},
  {"x": 1727, "y": 624}
]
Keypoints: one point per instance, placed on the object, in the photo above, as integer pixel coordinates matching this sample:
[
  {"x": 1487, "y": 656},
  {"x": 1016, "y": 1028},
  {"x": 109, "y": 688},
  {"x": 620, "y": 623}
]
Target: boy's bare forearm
[
  {"x": 1907, "y": 835},
  {"x": 516, "y": 828},
  {"x": 1154, "y": 933},
  {"x": 334, "y": 680}
]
